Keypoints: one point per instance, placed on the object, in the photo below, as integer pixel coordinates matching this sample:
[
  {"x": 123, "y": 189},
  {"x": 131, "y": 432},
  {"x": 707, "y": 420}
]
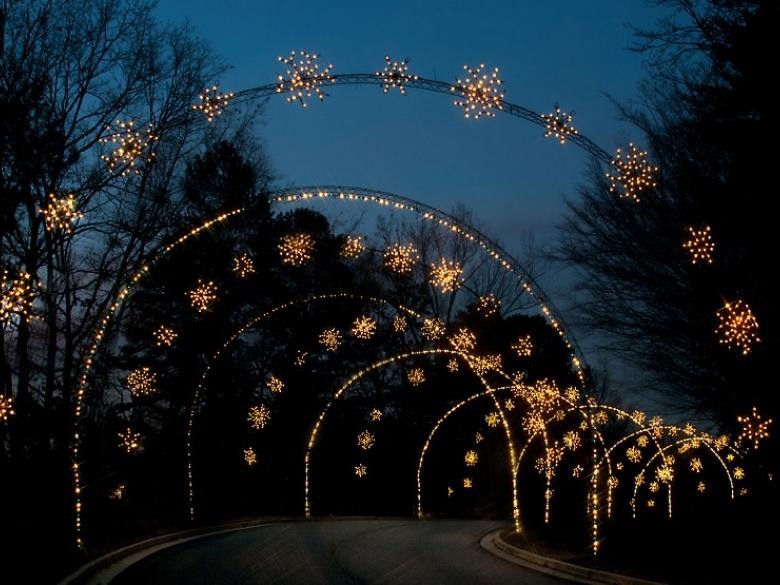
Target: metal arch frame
[{"x": 432, "y": 85}]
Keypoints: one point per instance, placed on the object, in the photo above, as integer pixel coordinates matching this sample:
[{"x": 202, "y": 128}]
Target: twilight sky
[{"x": 419, "y": 145}]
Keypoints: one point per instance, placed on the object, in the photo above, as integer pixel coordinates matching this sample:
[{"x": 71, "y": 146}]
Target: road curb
[
  {"x": 494, "y": 543},
  {"x": 101, "y": 570}
]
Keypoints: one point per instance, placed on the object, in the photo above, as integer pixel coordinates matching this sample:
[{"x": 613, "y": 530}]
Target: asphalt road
[{"x": 337, "y": 552}]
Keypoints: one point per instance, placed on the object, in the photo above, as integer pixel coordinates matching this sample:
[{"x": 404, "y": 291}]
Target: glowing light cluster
[
  {"x": 250, "y": 457},
  {"x": 524, "y": 346},
  {"x": 468, "y": 483},
  {"x": 203, "y": 296},
  {"x": 352, "y": 247},
  {"x": 492, "y": 419},
  {"x": 212, "y": 102},
  {"x": 471, "y": 458},
  {"x": 480, "y": 92},
  {"x": 304, "y": 77},
  {"x": 400, "y": 324},
  {"x": 331, "y": 339},
  {"x": 275, "y": 385},
  {"x": 60, "y": 213},
  {"x": 6, "y": 407},
  {"x": 738, "y": 326},
  {"x": 364, "y": 327},
  {"x": 416, "y": 376},
  {"x": 366, "y": 440},
  {"x": 296, "y": 249},
  {"x": 376, "y": 414},
  {"x": 463, "y": 340},
  {"x": 361, "y": 470},
  {"x": 400, "y": 258},
  {"x": 131, "y": 148},
  {"x": 258, "y": 416},
  {"x": 243, "y": 265},
  {"x": 488, "y": 305},
  {"x": 445, "y": 275},
  {"x": 433, "y": 328},
  {"x": 700, "y": 244},
  {"x": 165, "y": 336},
  {"x": 754, "y": 428},
  {"x": 16, "y": 297},
  {"x": 632, "y": 174},
  {"x": 395, "y": 74},
  {"x": 129, "y": 440},
  {"x": 486, "y": 363},
  {"x": 142, "y": 382},
  {"x": 559, "y": 124}
]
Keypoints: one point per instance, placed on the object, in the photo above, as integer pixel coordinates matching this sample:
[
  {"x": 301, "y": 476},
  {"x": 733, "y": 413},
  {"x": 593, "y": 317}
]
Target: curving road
[{"x": 337, "y": 552}]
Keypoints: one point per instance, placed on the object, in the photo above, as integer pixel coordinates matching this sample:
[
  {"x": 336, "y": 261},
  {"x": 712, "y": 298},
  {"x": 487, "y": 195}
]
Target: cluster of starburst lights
[
  {"x": 754, "y": 428},
  {"x": 203, "y": 296},
  {"x": 296, "y": 249},
  {"x": 212, "y": 102},
  {"x": 60, "y": 213},
  {"x": 433, "y": 328},
  {"x": 16, "y": 297},
  {"x": 250, "y": 457},
  {"x": 471, "y": 457},
  {"x": 366, "y": 440},
  {"x": 559, "y": 124},
  {"x": 131, "y": 147},
  {"x": 275, "y": 385},
  {"x": 331, "y": 339},
  {"x": 700, "y": 244},
  {"x": 361, "y": 470},
  {"x": 165, "y": 336},
  {"x": 129, "y": 440},
  {"x": 6, "y": 407},
  {"x": 258, "y": 416},
  {"x": 488, "y": 305},
  {"x": 364, "y": 327},
  {"x": 243, "y": 265},
  {"x": 400, "y": 258},
  {"x": 480, "y": 92},
  {"x": 632, "y": 174},
  {"x": 445, "y": 275},
  {"x": 395, "y": 74},
  {"x": 737, "y": 326},
  {"x": 352, "y": 247},
  {"x": 304, "y": 78},
  {"x": 142, "y": 382},
  {"x": 376, "y": 414},
  {"x": 416, "y": 376},
  {"x": 524, "y": 346}
]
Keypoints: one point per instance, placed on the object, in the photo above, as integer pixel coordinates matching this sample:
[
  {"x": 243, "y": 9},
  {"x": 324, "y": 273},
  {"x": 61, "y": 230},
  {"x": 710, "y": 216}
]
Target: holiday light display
[
  {"x": 700, "y": 244},
  {"x": 395, "y": 75},
  {"x": 60, "y": 213},
  {"x": 16, "y": 297},
  {"x": 376, "y": 414},
  {"x": 259, "y": 416},
  {"x": 275, "y": 385},
  {"x": 632, "y": 175},
  {"x": 141, "y": 382},
  {"x": 471, "y": 458},
  {"x": 6, "y": 407},
  {"x": 250, "y": 457},
  {"x": 211, "y": 102},
  {"x": 165, "y": 336},
  {"x": 366, "y": 440},
  {"x": 488, "y": 305},
  {"x": 524, "y": 346},
  {"x": 331, "y": 339},
  {"x": 416, "y": 376},
  {"x": 203, "y": 296},
  {"x": 352, "y": 247},
  {"x": 445, "y": 275},
  {"x": 129, "y": 441},
  {"x": 243, "y": 265},
  {"x": 479, "y": 93},
  {"x": 132, "y": 148},
  {"x": 738, "y": 326},
  {"x": 296, "y": 249},
  {"x": 304, "y": 77},
  {"x": 558, "y": 124},
  {"x": 364, "y": 327},
  {"x": 361, "y": 470},
  {"x": 400, "y": 258},
  {"x": 433, "y": 328},
  {"x": 754, "y": 428}
]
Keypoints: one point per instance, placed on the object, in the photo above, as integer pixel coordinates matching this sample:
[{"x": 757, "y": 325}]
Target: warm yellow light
[
  {"x": 331, "y": 339},
  {"x": 132, "y": 148},
  {"x": 632, "y": 174},
  {"x": 395, "y": 74},
  {"x": 524, "y": 346},
  {"x": 165, "y": 336},
  {"x": 60, "y": 213},
  {"x": 142, "y": 382},
  {"x": 352, "y": 247},
  {"x": 296, "y": 249},
  {"x": 212, "y": 102},
  {"x": 366, "y": 440},
  {"x": 416, "y": 376},
  {"x": 471, "y": 458},
  {"x": 243, "y": 265},
  {"x": 480, "y": 93},
  {"x": 400, "y": 258},
  {"x": 259, "y": 416},
  {"x": 559, "y": 124},
  {"x": 445, "y": 275},
  {"x": 16, "y": 297},
  {"x": 700, "y": 244},
  {"x": 6, "y": 407},
  {"x": 364, "y": 327},
  {"x": 250, "y": 457},
  {"x": 738, "y": 326},
  {"x": 754, "y": 429},
  {"x": 203, "y": 296},
  {"x": 304, "y": 77}
]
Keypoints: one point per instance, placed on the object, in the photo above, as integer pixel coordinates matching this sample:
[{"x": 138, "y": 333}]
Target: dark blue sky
[{"x": 572, "y": 52}]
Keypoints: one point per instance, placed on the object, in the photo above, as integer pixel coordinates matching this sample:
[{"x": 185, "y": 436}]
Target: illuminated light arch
[
  {"x": 392, "y": 201},
  {"x": 312, "y": 439},
  {"x": 452, "y": 410},
  {"x": 699, "y": 442},
  {"x": 237, "y": 334},
  {"x": 434, "y": 86}
]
